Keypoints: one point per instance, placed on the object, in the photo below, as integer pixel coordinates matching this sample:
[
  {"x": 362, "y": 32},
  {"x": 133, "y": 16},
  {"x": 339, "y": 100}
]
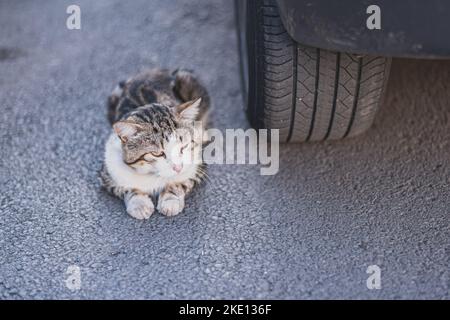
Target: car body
[
  {"x": 409, "y": 28},
  {"x": 318, "y": 70}
]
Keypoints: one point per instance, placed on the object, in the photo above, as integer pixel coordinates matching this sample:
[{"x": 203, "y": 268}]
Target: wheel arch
[{"x": 341, "y": 26}]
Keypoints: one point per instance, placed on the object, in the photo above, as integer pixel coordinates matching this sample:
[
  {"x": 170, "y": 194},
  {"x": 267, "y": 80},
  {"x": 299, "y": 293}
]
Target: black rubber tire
[{"x": 309, "y": 94}]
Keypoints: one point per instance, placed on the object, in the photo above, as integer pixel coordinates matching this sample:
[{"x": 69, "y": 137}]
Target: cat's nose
[{"x": 177, "y": 167}]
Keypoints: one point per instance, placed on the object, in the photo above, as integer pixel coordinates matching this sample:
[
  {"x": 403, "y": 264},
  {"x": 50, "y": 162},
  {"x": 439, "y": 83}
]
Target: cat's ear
[
  {"x": 189, "y": 110},
  {"x": 125, "y": 130}
]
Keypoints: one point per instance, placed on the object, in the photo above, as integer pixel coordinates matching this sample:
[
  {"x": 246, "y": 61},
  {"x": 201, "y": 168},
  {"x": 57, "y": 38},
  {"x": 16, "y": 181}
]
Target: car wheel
[{"x": 309, "y": 94}]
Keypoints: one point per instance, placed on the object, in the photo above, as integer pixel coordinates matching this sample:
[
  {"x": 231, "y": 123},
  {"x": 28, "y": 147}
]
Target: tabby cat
[{"x": 148, "y": 156}]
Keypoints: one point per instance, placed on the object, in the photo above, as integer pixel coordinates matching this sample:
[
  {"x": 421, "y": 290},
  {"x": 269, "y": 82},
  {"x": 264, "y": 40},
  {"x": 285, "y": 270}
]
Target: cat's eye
[
  {"x": 183, "y": 147},
  {"x": 157, "y": 154}
]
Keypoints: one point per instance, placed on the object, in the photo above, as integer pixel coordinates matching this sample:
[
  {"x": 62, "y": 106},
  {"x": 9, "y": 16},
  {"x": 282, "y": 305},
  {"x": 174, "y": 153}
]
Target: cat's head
[{"x": 157, "y": 139}]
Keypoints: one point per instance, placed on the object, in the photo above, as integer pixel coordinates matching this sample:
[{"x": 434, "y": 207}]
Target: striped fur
[{"x": 149, "y": 113}]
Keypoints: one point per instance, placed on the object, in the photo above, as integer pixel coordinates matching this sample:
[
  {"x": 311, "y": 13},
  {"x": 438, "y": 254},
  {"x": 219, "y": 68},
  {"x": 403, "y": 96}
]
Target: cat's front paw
[
  {"x": 140, "y": 207},
  {"x": 170, "y": 205}
]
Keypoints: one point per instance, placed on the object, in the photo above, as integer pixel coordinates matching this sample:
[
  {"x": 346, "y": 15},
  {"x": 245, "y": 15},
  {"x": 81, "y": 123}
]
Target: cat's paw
[
  {"x": 140, "y": 207},
  {"x": 170, "y": 205}
]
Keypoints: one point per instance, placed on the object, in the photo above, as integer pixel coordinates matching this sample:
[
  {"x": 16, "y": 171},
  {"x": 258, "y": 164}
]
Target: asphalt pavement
[{"x": 311, "y": 231}]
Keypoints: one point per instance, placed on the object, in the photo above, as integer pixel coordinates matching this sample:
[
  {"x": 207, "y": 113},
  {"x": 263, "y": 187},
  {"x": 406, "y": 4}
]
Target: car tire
[{"x": 309, "y": 94}]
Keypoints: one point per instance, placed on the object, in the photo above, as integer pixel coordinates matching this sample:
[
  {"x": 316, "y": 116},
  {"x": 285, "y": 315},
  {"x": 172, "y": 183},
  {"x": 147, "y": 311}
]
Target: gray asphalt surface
[{"x": 308, "y": 232}]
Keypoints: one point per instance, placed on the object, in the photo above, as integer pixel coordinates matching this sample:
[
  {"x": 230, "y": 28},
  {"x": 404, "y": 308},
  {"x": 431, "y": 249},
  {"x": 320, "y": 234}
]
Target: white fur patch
[
  {"x": 170, "y": 205},
  {"x": 126, "y": 177},
  {"x": 117, "y": 91},
  {"x": 191, "y": 111},
  {"x": 140, "y": 206}
]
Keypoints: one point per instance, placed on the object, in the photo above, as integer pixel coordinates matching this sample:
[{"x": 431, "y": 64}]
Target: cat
[{"x": 148, "y": 155}]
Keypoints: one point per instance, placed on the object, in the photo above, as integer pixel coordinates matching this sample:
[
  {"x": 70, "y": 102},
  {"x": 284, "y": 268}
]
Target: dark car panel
[{"x": 409, "y": 28}]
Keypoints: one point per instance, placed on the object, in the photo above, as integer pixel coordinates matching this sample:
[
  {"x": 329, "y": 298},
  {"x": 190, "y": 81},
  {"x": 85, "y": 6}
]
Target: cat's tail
[
  {"x": 113, "y": 101},
  {"x": 188, "y": 87}
]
